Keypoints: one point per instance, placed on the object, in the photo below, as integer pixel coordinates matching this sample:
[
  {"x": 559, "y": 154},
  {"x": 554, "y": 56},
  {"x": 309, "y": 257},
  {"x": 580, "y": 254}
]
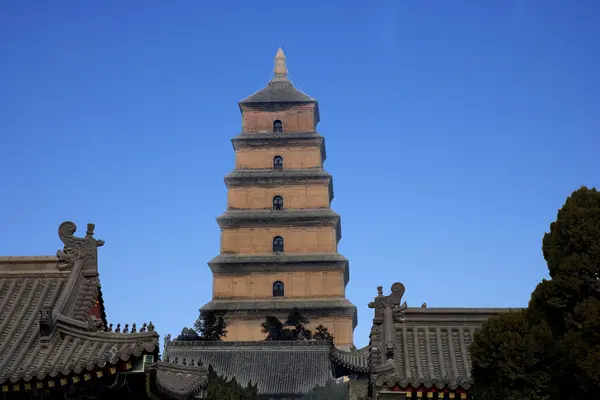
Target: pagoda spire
[{"x": 280, "y": 67}]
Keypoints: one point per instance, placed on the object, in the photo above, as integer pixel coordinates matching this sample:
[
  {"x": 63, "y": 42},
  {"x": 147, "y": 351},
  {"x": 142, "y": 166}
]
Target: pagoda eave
[
  {"x": 265, "y": 140},
  {"x": 273, "y": 178},
  {"x": 279, "y": 258},
  {"x": 241, "y": 264},
  {"x": 256, "y": 308},
  {"x": 298, "y": 217}
]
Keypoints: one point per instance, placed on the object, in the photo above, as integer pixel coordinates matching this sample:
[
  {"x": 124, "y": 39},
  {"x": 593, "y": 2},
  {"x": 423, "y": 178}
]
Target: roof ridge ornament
[
  {"x": 392, "y": 301},
  {"x": 280, "y": 71},
  {"x": 387, "y": 311},
  {"x": 77, "y": 249},
  {"x": 47, "y": 326}
]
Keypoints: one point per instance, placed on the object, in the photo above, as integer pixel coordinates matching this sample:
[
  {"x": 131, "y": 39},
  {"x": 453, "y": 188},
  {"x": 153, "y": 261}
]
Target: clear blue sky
[{"x": 454, "y": 131}]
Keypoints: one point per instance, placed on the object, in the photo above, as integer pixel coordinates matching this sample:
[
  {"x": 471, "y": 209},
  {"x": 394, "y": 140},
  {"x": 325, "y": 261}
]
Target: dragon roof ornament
[
  {"x": 388, "y": 310},
  {"x": 391, "y": 301},
  {"x": 77, "y": 249}
]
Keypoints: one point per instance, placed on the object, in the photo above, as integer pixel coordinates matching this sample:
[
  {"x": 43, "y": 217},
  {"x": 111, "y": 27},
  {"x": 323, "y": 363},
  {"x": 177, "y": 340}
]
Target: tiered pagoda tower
[{"x": 279, "y": 236}]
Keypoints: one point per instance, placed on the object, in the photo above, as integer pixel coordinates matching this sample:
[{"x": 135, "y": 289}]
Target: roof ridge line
[
  {"x": 26, "y": 259},
  {"x": 262, "y": 343},
  {"x": 68, "y": 292},
  {"x": 81, "y": 330}
]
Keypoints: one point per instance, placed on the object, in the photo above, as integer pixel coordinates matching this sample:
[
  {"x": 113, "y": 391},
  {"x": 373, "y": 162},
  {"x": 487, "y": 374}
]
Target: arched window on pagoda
[
  {"x": 277, "y": 126},
  {"x": 278, "y": 163},
  {"x": 278, "y": 289},
  {"x": 277, "y": 244},
  {"x": 278, "y": 203}
]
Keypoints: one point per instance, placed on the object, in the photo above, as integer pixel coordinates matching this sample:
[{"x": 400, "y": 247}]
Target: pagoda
[{"x": 279, "y": 236}]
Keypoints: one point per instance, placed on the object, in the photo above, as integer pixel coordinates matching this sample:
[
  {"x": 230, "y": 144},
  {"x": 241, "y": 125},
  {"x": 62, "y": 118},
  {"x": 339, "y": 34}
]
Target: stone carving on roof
[
  {"x": 392, "y": 301},
  {"x": 387, "y": 311},
  {"x": 95, "y": 323},
  {"x": 77, "y": 249}
]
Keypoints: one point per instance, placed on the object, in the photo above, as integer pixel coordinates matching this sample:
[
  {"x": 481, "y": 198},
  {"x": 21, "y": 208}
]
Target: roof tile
[
  {"x": 278, "y": 368},
  {"x": 29, "y": 285},
  {"x": 278, "y": 91},
  {"x": 429, "y": 347}
]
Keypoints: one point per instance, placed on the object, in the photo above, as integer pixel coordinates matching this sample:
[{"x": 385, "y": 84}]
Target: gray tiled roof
[
  {"x": 176, "y": 381},
  {"x": 429, "y": 345},
  {"x": 278, "y": 91},
  {"x": 433, "y": 356},
  {"x": 278, "y": 368},
  {"x": 356, "y": 360},
  {"x": 64, "y": 294}
]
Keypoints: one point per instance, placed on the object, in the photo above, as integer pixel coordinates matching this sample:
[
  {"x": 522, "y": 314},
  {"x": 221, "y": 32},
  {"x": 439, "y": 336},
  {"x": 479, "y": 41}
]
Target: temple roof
[
  {"x": 278, "y": 368},
  {"x": 53, "y": 319},
  {"x": 279, "y": 89},
  {"x": 355, "y": 360},
  {"x": 174, "y": 381},
  {"x": 426, "y": 346}
]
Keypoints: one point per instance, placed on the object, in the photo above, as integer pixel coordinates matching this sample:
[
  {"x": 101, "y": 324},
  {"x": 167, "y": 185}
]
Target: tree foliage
[
  {"x": 322, "y": 333},
  {"x": 294, "y": 328},
  {"x": 551, "y": 350},
  {"x": 188, "y": 335},
  {"x": 211, "y": 326},
  {"x": 220, "y": 388}
]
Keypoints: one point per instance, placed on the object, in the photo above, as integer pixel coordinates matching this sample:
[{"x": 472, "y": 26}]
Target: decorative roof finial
[{"x": 280, "y": 67}]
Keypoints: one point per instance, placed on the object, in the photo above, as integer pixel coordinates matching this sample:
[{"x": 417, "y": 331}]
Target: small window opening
[
  {"x": 277, "y": 126},
  {"x": 278, "y": 289},
  {"x": 278, "y": 163},
  {"x": 278, "y": 244},
  {"x": 278, "y": 203}
]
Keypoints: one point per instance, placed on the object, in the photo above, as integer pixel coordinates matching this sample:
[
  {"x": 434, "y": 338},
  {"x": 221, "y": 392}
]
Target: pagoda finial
[{"x": 280, "y": 67}]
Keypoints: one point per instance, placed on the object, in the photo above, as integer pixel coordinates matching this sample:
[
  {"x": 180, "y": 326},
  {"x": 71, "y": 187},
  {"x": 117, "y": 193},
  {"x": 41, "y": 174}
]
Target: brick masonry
[
  {"x": 295, "y": 118},
  {"x": 294, "y": 157}
]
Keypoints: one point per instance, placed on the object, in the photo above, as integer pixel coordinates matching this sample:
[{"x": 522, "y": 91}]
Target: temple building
[
  {"x": 55, "y": 341},
  {"x": 279, "y": 236}
]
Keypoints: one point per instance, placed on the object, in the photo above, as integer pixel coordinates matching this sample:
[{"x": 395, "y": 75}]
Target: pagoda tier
[
  {"x": 279, "y": 237},
  {"x": 338, "y": 314},
  {"x": 258, "y": 308}
]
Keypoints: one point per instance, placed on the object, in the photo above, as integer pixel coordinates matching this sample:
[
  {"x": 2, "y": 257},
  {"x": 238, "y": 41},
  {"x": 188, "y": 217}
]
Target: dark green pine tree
[
  {"x": 294, "y": 328},
  {"x": 211, "y": 326},
  {"x": 551, "y": 350},
  {"x": 188, "y": 335},
  {"x": 322, "y": 333},
  {"x": 297, "y": 325},
  {"x": 274, "y": 329}
]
